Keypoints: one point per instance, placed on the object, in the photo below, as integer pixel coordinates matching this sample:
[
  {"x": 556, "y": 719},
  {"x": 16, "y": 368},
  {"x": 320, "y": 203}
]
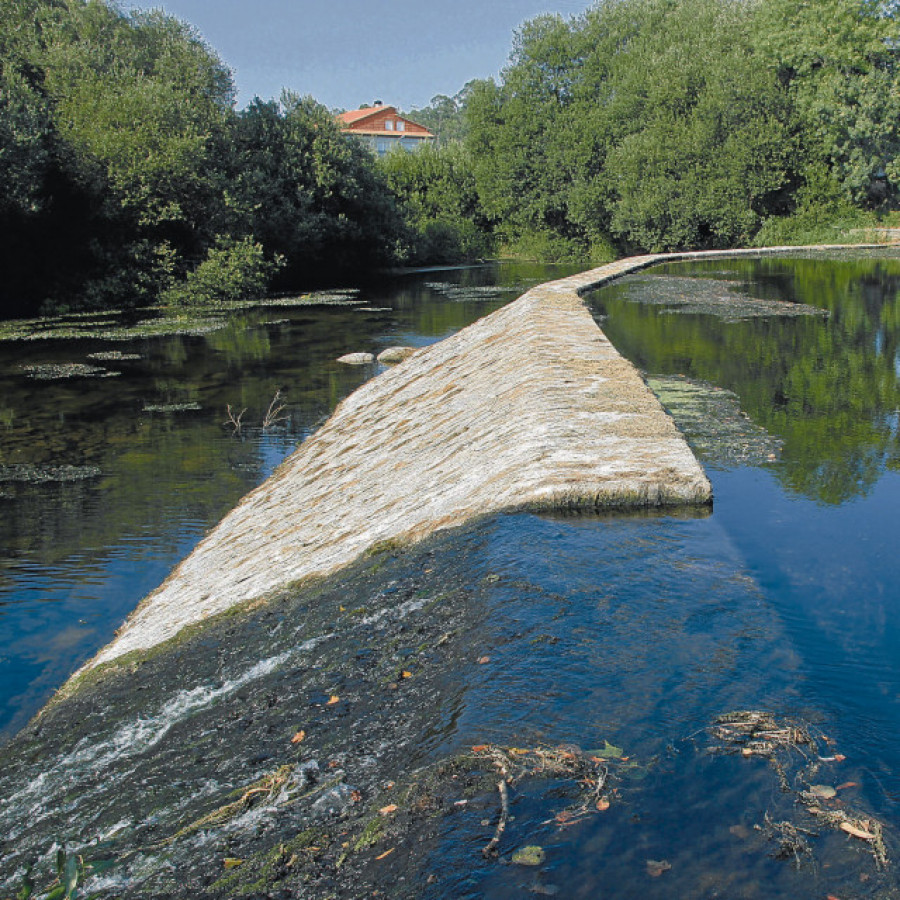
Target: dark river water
[{"x": 691, "y": 704}]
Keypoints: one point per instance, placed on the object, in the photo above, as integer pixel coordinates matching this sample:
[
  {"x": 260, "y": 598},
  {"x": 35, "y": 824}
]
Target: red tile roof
[
  {"x": 354, "y": 115},
  {"x": 357, "y": 121}
]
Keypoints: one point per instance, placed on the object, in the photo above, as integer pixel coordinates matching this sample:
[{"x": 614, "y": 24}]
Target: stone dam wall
[{"x": 530, "y": 407}]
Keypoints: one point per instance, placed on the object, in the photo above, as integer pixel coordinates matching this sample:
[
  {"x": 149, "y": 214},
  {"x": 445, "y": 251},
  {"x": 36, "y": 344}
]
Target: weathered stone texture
[{"x": 529, "y": 407}]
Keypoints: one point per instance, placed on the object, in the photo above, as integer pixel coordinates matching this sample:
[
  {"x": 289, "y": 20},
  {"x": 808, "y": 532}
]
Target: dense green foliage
[
  {"x": 656, "y": 124},
  {"x": 125, "y": 166},
  {"x": 445, "y": 116},
  {"x": 640, "y": 125},
  {"x": 436, "y": 188}
]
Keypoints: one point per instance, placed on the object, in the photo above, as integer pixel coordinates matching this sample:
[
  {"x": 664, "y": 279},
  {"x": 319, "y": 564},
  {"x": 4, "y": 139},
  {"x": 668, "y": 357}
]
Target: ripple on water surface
[{"x": 624, "y": 637}]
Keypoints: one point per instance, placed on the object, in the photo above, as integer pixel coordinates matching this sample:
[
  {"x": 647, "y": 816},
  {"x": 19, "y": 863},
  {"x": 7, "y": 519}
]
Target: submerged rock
[
  {"x": 357, "y": 359},
  {"x": 529, "y": 856},
  {"x": 395, "y": 354},
  {"x": 712, "y": 420}
]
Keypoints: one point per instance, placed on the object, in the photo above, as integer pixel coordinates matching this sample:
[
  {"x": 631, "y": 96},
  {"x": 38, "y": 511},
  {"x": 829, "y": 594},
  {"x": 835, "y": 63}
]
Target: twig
[
  {"x": 491, "y": 848},
  {"x": 234, "y": 420},
  {"x": 272, "y": 416}
]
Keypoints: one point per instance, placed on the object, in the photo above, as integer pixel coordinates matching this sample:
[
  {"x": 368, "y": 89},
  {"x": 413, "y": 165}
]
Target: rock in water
[{"x": 395, "y": 354}]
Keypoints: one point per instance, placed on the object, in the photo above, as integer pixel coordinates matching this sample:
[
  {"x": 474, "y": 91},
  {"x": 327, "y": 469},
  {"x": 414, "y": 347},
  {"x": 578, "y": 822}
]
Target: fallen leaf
[
  {"x": 845, "y": 785},
  {"x": 746, "y": 752},
  {"x": 611, "y": 751},
  {"x": 405, "y": 674},
  {"x": 333, "y": 699},
  {"x": 603, "y": 804},
  {"x": 860, "y": 833},
  {"x": 483, "y": 659},
  {"x": 298, "y": 737},
  {"x": 823, "y": 791},
  {"x": 386, "y": 853},
  {"x": 655, "y": 867},
  {"x": 839, "y": 757},
  {"x": 231, "y": 863},
  {"x": 387, "y": 810},
  {"x": 479, "y": 748},
  {"x": 832, "y": 897}
]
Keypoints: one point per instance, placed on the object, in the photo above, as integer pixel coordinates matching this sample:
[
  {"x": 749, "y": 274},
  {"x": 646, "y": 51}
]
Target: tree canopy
[{"x": 638, "y": 125}]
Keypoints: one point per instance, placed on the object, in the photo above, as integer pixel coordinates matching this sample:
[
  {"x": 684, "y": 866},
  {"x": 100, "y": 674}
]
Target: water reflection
[{"x": 827, "y": 386}]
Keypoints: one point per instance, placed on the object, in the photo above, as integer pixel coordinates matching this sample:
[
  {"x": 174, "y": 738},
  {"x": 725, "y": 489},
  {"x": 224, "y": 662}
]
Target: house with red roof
[{"x": 381, "y": 127}]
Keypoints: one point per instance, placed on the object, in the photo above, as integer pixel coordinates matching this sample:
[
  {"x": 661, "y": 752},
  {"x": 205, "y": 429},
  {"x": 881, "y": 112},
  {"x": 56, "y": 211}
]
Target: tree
[
  {"x": 306, "y": 192},
  {"x": 838, "y": 62},
  {"x": 439, "y": 201}
]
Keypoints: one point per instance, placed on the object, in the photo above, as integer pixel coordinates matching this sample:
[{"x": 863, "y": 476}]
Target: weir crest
[{"x": 530, "y": 407}]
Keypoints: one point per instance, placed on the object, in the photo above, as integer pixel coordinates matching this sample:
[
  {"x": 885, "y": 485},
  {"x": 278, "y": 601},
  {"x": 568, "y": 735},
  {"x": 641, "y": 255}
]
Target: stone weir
[{"x": 530, "y": 407}]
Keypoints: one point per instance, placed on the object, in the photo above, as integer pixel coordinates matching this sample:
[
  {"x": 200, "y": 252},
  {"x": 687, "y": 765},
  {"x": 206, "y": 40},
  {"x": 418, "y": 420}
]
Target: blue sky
[{"x": 349, "y": 52}]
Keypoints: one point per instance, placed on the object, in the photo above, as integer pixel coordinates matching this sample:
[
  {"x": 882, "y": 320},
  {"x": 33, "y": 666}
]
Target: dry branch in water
[
  {"x": 793, "y": 752},
  {"x": 233, "y": 419},
  {"x": 272, "y": 416}
]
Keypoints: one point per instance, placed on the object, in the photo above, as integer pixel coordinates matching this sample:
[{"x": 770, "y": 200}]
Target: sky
[{"x": 349, "y": 52}]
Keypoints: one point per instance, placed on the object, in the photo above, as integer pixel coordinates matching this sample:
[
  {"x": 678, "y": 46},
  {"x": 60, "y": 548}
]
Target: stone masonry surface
[{"x": 530, "y": 407}]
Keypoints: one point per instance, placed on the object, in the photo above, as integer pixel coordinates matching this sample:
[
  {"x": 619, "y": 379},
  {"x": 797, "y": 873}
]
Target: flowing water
[{"x": 347, "y": 740}]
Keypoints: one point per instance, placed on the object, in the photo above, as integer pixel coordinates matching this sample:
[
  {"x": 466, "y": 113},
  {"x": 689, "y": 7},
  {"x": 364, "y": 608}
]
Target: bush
[{"x": 232, "y": 270}]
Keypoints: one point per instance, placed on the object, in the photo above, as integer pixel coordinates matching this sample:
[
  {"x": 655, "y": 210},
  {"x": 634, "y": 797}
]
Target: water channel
[{"x": 632, "y": 649}]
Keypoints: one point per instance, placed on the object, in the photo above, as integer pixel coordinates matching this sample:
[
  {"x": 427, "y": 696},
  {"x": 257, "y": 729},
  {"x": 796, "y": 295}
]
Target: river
[
  {"x": 109, "y": 478},
  {"x": 692, "y": 704}
]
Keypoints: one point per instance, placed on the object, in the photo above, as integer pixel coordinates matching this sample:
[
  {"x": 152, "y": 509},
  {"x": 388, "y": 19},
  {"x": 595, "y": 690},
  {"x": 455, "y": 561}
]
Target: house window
[
  {"x": 388, "y": 124},
  {"x": 401, "y": 126}
]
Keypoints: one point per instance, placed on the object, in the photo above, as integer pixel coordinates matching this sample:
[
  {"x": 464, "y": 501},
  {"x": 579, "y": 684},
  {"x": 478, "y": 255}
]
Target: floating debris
[
  {"x": 58, "y": 371},
  {"x": 172, "y": 407},
  {"x": 792, "y": 749},
  {"x": 346, "y": 297},
  {"x": 715, "y": 426},
  {"x": 462, "y": 293},
  {"x": 656, "y": 867},
  {"x": 47, "y": 474},
  {"x": 74, "y": 328},
  {"x": 114, "y": 356},
  {"x": 712, "y": 297}
]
